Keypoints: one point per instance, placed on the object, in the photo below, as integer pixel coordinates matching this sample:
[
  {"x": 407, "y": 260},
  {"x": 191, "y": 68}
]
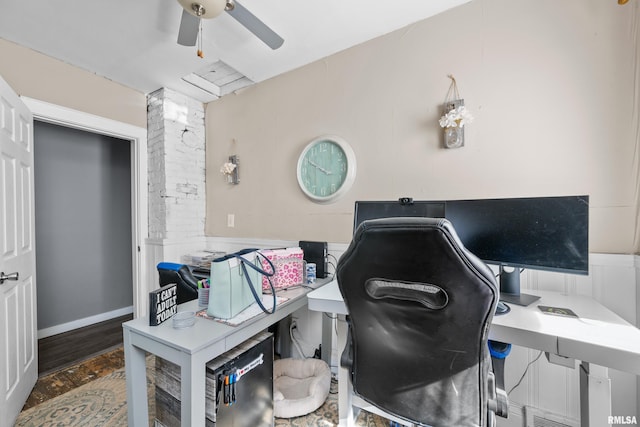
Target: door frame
[{"x": 63, "y": 116}]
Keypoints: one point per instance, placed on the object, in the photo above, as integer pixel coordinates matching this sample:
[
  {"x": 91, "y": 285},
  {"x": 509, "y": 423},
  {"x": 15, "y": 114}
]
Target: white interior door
[{"x": 18, "y": 326}]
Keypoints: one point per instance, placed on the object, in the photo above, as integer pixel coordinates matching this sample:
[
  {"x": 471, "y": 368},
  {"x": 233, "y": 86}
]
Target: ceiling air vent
[{"x": 218, "y": 79}]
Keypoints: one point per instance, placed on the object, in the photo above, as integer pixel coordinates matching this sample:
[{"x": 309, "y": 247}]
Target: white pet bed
[{"x": 300, "y": 386}]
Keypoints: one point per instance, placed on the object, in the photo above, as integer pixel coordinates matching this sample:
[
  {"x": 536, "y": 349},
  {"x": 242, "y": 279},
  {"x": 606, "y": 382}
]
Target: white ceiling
[{"x": 133, "y": 42}]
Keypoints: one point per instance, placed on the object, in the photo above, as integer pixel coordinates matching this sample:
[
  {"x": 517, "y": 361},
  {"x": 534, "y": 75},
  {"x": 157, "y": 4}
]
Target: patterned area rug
[
  {"x": 327, "y": 416},
  {"x": 103, "y": 402}
]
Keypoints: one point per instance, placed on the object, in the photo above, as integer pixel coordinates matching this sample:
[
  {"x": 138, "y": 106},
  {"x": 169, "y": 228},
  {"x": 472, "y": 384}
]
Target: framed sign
[{"x": 163, "y": 304}]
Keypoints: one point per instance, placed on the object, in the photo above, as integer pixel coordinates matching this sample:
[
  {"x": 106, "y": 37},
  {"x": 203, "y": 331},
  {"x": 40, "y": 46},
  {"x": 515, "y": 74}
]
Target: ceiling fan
[{"x": 195, "y": 10}]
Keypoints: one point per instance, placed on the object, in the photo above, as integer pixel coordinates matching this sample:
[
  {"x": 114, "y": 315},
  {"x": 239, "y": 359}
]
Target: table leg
[
  {"x": 327, "y": 335},
  {"x": 193, "y": 372},
  {"x": 136, "y": 374},
  {"x": 595, "y": 395}
]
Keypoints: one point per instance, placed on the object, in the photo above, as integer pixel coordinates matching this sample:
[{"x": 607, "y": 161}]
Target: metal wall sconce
[
  {"x": 455, "y": 116},
  {"x": 230, "y": 170}
]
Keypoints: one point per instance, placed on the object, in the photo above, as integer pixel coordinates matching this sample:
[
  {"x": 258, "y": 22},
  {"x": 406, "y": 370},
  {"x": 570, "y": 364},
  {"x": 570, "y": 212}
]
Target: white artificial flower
[
  {"x": 456, "y": 117},
  {"x": 448, "y": 120},
  {"x": 228, "y": 168},
  {"x": 464, "y": 115}
]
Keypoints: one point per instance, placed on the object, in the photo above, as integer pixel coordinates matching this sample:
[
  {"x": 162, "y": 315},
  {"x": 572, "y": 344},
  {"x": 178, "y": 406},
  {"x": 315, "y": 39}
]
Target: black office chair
[
  {"x": 170, "y": 272},
  {"x": 420, "y": 306}
]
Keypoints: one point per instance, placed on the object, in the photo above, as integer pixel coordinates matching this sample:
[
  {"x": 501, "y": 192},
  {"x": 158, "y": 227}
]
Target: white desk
[
  {"x": 598, "y": 336},
  {"x": 191, "y": 349}
]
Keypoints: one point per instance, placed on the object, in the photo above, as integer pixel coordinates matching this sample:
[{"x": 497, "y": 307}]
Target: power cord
[
  {"x": 524, "y": 373},
  {"x": 332, "y": 264},
  {"x": 295, "y": 340}
]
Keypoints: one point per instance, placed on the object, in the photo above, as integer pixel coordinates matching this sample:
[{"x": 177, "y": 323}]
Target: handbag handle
[
  {"x": 243, "y": 262},
  {"x": 239, "y": 253},
  {"x": 255, "y": 267}
]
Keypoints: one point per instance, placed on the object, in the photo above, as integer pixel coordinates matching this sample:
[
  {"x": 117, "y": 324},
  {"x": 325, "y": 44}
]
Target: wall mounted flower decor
[
  {"x": 230, "y": 170},
  {"x": 455, "y": 117}
]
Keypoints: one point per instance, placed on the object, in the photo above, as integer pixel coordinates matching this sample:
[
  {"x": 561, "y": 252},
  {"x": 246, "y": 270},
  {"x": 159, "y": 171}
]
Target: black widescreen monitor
[
  {"x": 403, "y": 207},
  {"x": 543, "y": 233},
  {"x": 547, "y": 233}
]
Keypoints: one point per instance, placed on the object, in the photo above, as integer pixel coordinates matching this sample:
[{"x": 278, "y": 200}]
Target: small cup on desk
[
  {"x": 184, "y": 319},
  {"x": 203, "y": 297},
  {"x": 311, "y": 273}
]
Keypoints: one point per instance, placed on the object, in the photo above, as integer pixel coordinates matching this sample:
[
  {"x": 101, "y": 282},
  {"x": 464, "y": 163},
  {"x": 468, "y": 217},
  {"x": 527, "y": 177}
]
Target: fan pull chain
[{"x": 200, "y": 54}]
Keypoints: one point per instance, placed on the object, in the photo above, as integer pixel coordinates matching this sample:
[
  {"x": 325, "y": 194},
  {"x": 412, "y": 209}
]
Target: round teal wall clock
[{"x": 326, "y": 169}]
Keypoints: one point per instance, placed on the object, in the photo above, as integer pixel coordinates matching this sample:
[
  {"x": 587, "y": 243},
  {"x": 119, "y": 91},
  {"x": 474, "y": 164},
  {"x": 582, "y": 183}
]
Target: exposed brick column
[{"x": 176, "y": 159}]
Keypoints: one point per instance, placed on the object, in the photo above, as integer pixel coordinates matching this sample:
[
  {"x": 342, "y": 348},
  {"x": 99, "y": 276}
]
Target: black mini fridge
[
  {"x": 244, "y": 384},
  {"x": 239, "y": 387}
]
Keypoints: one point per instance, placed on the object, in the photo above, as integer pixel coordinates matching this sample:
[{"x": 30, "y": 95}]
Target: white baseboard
[{"x": 69, "y": 326}]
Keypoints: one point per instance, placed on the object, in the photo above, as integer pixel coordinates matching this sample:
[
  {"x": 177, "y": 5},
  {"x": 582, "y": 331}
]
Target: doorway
[
  {"x": 137, "y": 137},
  {"x": 83, "y": 227}
]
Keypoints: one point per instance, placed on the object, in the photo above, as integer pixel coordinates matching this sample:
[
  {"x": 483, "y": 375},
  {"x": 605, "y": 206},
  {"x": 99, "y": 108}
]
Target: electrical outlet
[{"x": 231, "y": 220}]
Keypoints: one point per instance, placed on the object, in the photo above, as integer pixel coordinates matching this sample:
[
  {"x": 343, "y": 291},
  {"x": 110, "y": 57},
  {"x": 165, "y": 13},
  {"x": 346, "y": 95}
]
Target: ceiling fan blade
[
  {"x": 256, "y": 26},
  {"x": 188, "y": 33}
]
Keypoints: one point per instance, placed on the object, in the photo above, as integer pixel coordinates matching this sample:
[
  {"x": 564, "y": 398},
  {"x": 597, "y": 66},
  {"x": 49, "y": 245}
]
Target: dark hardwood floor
[
  {"x": 61, "y": 381},
  {"x": 74, "y": 358},
  {"x": 63, "y": 350}
]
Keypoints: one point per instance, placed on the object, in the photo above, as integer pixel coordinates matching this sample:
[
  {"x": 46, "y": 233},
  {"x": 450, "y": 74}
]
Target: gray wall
[{"x": 83, "y": 224}]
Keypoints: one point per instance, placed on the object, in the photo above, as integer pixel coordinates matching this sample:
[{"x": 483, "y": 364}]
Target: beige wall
[
  {"x": 38, "y": 76},
  {"x": 551, "y": 85}
]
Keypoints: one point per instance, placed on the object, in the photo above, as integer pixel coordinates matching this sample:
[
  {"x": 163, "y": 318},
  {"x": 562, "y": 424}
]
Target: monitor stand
[
  {"x": 510, "y": 287},
  {"x": 519, "y": 299}
]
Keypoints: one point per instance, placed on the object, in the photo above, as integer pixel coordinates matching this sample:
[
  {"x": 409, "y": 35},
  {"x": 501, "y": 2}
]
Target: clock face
[{"x": 326, "y": 169}]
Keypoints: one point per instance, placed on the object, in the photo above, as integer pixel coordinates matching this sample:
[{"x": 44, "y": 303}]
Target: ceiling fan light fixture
[
  {"x": 194, "y": 10},
  {"x": 622, "y": 1},
  {"x": 205, "y": 9}
]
